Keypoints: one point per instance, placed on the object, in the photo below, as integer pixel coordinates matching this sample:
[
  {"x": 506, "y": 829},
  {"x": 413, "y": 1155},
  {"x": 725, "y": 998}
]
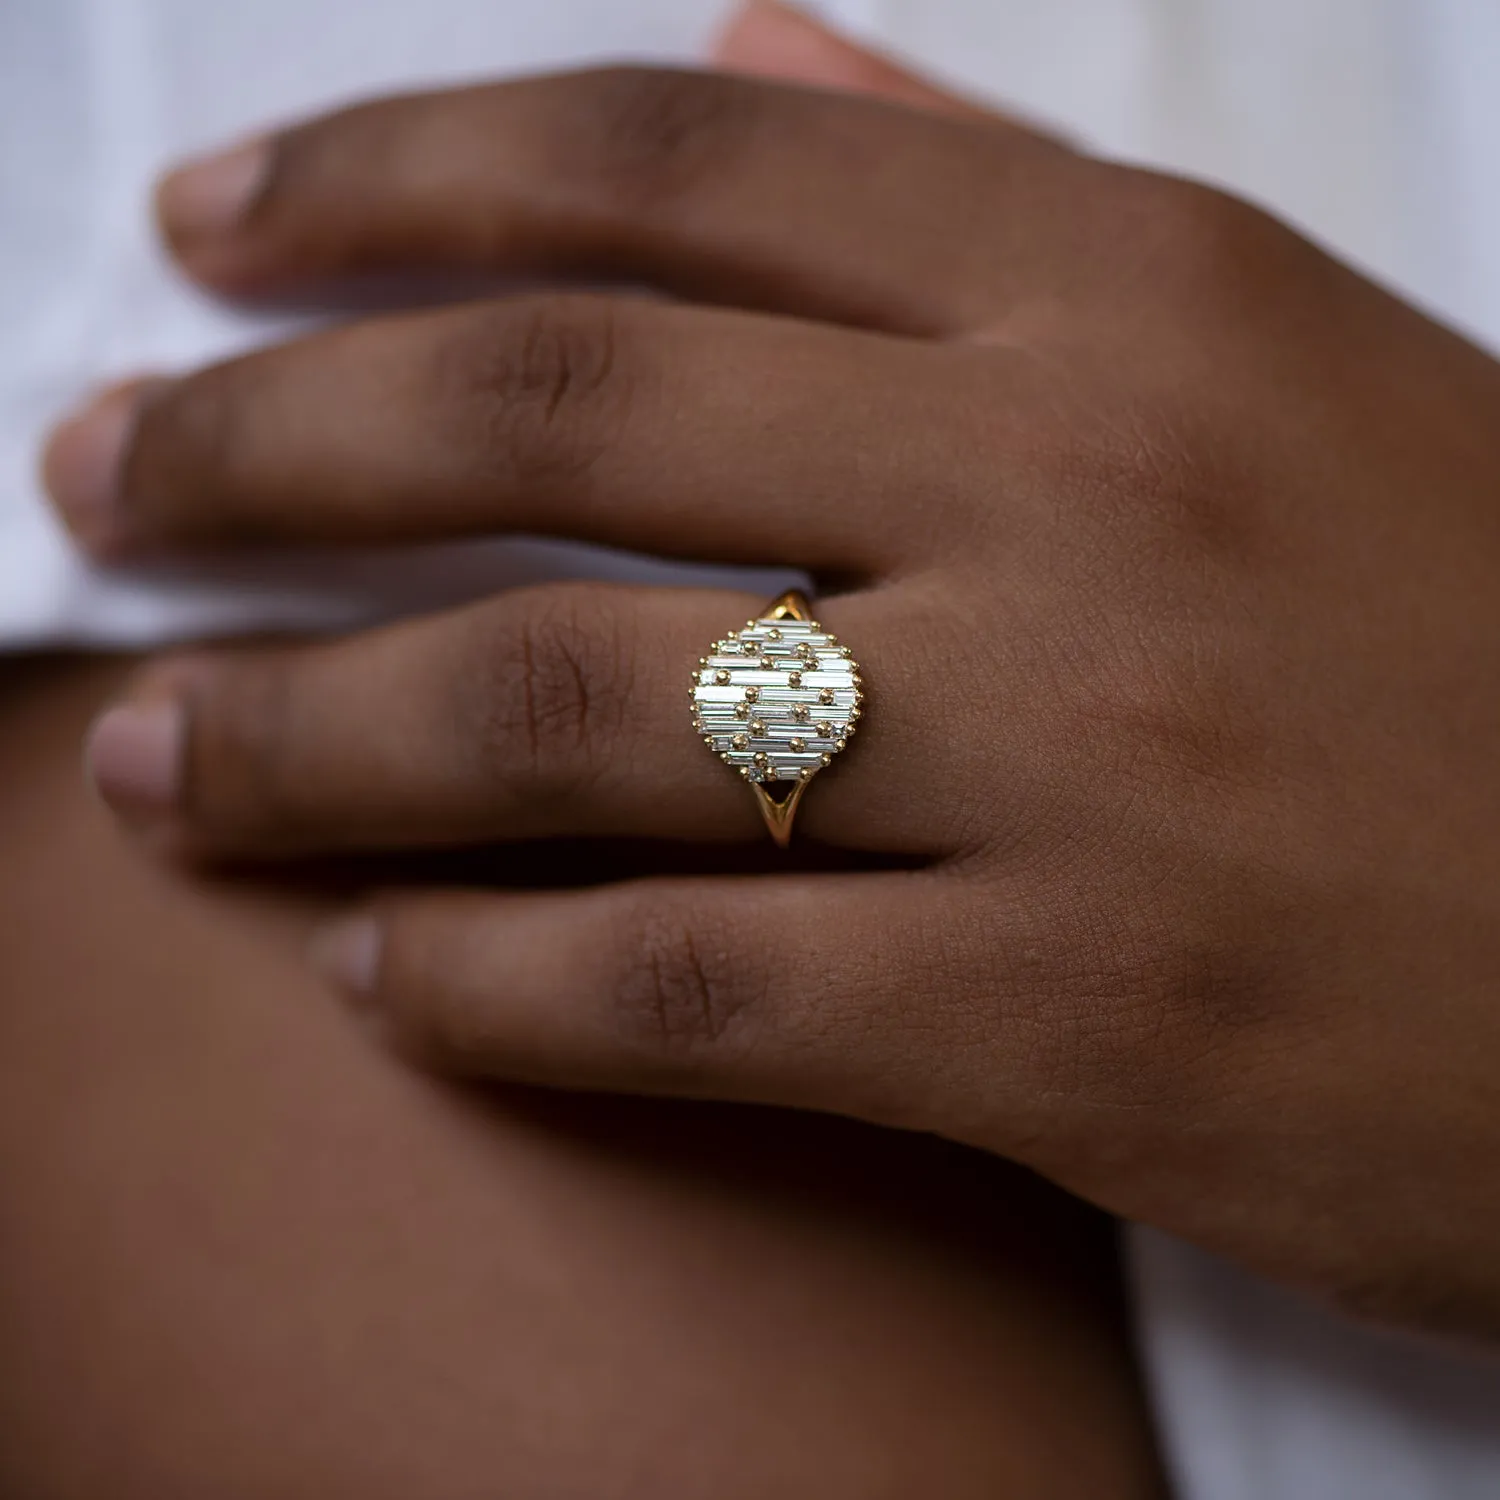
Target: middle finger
[{"x": 686, "y": 431}]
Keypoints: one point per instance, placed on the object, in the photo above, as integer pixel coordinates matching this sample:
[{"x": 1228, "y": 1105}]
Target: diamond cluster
[{"x": 778, "y": 699}]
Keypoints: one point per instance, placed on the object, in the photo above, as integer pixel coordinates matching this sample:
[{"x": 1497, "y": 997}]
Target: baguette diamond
[{"x": 763, "y": 665}]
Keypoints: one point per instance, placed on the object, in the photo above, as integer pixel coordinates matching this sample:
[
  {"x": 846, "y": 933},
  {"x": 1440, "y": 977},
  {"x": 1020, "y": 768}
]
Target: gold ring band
[{"x": 777, "y": 700}]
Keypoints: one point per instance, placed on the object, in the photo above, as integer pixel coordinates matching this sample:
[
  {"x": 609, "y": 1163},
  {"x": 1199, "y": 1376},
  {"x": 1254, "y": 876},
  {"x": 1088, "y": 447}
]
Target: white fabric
[
  {"x": 95, "y": 97},
  {"x": 1263, "y": 1395},
  {"x": 1374, "y": 124}
]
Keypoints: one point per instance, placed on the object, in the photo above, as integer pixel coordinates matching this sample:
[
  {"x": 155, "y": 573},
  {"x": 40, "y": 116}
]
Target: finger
[
  {"x": 826, "y": 992},
  {"x": 717, "y": 188},
  {"x": 639, "y": 424},
  {"x": 767, "y": 39},
  {"x": 556, "y": 711}
]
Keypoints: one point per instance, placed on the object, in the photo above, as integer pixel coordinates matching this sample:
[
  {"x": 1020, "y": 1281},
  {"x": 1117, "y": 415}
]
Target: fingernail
[
  {"x": 347, "y": 954},
  {"x": 81, "y": 466},
  {"x": 134, "y": 756},
  {"x": 210, "y": 196}
]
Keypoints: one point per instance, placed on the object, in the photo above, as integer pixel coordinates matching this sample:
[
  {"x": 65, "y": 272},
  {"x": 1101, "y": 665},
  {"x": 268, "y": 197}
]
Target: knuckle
[
  {"x": 241, "y": 782},
  {"x": 1153, "y": 984},
  {"x": 540, "y": 379},
  {"x": 436, "y": 985},
  {"x": 656, "y": 135},
  {"x": 1209, "y": 251},
  {"x": 680, "y": 989},
  {"x": 1161, "y": 722},
  {"x": 1154, "y": 485},
  {"x": 1126, "y": 460},
  {"x": 1408, "y": 1286},
  {"x": 1205, "y": 990},
  {"x": 188, "y": 440},
  {"x": 385, "y": 137},
  {"x": 557, "y": 679},
  {"x": 1189, "y": 221}
]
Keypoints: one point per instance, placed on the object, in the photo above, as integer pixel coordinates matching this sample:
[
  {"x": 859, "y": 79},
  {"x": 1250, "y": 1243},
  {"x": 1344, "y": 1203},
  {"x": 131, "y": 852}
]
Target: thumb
[{"x": 772, "y": 40}]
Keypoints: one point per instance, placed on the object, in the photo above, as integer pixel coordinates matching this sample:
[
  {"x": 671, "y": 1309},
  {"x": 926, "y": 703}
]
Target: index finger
[{"x": 718, "y": 188}]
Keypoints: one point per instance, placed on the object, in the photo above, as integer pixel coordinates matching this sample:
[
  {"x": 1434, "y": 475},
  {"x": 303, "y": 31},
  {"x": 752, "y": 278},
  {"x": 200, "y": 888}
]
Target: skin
[
  {"x": 1169, "y": 545},
  {"x": 246, "y": 1255}
]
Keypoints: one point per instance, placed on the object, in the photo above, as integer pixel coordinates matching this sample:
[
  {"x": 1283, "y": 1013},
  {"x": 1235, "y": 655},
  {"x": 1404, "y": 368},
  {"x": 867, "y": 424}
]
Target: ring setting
[{"x": 776, "y": 700}]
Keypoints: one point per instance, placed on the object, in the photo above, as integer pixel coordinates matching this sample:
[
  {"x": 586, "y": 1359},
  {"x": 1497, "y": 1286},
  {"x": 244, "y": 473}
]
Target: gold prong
[{"x": 792, "y": 605}]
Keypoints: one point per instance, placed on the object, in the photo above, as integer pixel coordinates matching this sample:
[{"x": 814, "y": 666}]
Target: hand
[{"x": 1170, "y": 548}]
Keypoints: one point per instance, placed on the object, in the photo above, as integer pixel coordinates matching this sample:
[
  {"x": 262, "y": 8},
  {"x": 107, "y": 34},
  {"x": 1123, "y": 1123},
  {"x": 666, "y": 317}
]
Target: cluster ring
[{"x": 776, "y": 700}]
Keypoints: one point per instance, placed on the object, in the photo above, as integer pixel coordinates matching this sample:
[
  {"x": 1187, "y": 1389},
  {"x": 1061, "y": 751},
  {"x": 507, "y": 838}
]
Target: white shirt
[{"x": 1373, "y": 124}]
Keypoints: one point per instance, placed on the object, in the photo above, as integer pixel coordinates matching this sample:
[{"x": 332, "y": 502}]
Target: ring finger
[{"x": 552, "y": 711}]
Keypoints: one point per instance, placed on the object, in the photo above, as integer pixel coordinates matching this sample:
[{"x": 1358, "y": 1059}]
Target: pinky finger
[{"x": 818, "y": 992}]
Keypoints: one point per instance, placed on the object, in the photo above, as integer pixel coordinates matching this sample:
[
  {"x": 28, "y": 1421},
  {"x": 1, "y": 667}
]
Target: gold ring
[{"x": 777, "y": 701}]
